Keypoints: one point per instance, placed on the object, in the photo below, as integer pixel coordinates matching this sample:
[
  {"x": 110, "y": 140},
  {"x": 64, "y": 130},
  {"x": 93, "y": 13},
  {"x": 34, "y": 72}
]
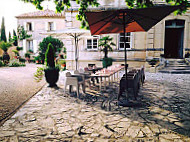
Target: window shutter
[
  {"x": 46, "y": 26},
  {"x": 24, "y": 45},
  {"x": 25, "y": 26},
  {"x": 32, "y": 26},
  {"x": 35, "y": 46},
  {"x": 54, "y": 25}
]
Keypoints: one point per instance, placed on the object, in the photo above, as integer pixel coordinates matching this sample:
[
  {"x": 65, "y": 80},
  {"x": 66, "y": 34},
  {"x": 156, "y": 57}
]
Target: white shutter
[
  {"x": 24, "y": 45},
  {"x": 32, "y": 26},
  {"x": 25, "y": 26},
  {"x": 54, "y": 25},
  {"x": 46, "y": 26},
  {"x": 35, "y": 46}
]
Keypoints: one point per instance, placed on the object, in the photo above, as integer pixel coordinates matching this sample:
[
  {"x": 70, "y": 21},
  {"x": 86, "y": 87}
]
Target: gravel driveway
[{"x": 17, "y": 85}]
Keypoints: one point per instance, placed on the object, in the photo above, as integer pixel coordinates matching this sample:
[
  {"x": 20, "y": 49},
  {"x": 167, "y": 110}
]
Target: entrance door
[{"x": 174, "y": 33}]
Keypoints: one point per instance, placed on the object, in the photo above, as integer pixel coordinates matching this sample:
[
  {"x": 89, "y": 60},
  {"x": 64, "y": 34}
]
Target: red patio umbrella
[{"x": 126, "y": 20}]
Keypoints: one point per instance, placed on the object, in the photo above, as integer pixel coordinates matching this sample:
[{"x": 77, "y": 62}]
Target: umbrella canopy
[
  {"x": 126, "y": 20},
  {"x": 75, "y": 33},
  {"x": 134, "y": 20}
]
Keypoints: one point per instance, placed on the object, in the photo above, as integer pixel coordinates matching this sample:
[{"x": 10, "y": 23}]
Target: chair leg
[
  {"x": 77, "y": 87},
  {"x": 65, "y": 89},
  {"x": 70, "y": 88}
]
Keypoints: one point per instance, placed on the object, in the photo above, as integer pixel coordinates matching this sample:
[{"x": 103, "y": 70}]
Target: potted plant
[
  {"x": 153, "y": 62},
  {"x": 51, "y": 71},
  {"x": 5, "y": 46},
  {"x": 106, "y": 43}
]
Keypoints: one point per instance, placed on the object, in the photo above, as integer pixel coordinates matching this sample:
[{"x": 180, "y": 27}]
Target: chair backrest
[{"x": 68, "y": 74}]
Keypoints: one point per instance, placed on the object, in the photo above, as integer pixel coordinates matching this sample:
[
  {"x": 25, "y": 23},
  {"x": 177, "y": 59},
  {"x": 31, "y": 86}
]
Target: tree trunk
[{"x": 105, "y": 52}]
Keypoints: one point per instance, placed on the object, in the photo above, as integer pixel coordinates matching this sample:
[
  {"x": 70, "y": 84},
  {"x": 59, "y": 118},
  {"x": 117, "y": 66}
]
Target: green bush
[
  {"x": 60, "y": 62},
  {"x": 1, "y": 58},
  {"x": 16, "y": 52},
  {"x": 49, "y": 56},
  {"x": 57, "y": 44},
  {"x": 15, "y": 63},
  {"x": 19, "y": 48},
  {"x": 22, "y": 60},
  {"x": 27, "y": 55},
  {"x": 1, "y": 64}
]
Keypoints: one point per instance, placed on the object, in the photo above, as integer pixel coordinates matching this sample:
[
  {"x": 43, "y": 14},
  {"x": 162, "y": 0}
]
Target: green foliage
[
  {"x": 1, "y": 64},
  {"x": 19, "y": 48},
  {"x": 3, "y": 33},
  {"x": 61, "y": 62},
  {"x": 22, "y": 34},
  {"x": 38, "y": 75},
  {"x": 16, "y": 52},
  {"x": 30, "y": 51},
  {"x": 64, "y": 50},
  {"x": 49, "y": 56},
  {"x": 1, "y": 58},
  {"x": 27, "y": 55},
  {"x": 106, "y": 44},
  {"x": 57, "y": 44},
  {"x": 10, "y": 39},
  {"x": 15, "y": 39},
  {"x": 84, "y": 4},
  {"x": 5, "y": 45},
  {"x": 22, "y": 60},
  {"x": 15, "y": 63}
]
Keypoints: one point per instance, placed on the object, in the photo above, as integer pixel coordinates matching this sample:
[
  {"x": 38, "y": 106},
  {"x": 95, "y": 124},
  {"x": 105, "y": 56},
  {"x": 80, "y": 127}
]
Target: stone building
[
  {"x": 169, "y": 38},
  {"x": 38, "y": 22}
]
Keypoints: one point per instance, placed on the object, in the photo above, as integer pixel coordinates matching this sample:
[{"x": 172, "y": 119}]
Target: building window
[
  {"x": 92, "y": 44},
  {"x": 29, "y": 26},
  {"x": 50, "y": 26},
  {"x": 128, "y": 39},
  {"x": 30, "y": 45}
]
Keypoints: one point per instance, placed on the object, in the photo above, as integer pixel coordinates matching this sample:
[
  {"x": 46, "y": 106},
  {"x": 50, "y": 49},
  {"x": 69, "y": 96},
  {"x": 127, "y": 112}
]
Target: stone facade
[
  {"x": 143, "y": 44},
  {"x": 36, "y": 23}
]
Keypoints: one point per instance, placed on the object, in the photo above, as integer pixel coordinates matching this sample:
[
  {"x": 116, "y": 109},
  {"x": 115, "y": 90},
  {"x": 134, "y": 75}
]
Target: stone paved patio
[{"x": 51, "y": 115}]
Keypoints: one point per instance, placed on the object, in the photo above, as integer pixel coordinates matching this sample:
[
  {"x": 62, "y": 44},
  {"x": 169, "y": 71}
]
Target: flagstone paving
[{"x": 163, "y": 115}]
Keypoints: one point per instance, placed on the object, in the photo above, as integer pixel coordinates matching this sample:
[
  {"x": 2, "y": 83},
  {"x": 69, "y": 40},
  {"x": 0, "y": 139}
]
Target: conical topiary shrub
[
  {"x": 51, "y": 72},
  {"x": 49, "y": 56}
]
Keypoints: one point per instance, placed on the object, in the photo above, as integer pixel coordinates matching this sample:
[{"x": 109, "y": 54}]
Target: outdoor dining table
[{"x": 109, "y": 74}]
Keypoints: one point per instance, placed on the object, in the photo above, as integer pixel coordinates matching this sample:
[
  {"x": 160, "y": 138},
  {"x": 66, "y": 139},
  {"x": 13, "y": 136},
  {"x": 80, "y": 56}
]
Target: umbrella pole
[
  {"x": 126, "y": 65},
  {"x": 75, "y": 51}
]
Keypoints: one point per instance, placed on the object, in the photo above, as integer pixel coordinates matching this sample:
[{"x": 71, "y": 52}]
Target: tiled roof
[{"x": 43, "y": 13}]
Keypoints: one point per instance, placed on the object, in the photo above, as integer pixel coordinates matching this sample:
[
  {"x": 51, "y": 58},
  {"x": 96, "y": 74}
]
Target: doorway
[{"x": 174, "y": 37}]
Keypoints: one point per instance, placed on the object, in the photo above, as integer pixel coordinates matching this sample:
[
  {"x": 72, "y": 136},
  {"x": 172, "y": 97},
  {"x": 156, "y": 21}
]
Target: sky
[{"x": 11, "y": 8}]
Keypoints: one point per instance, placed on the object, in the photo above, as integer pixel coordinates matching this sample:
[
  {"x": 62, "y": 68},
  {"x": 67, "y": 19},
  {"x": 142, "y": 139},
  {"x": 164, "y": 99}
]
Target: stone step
[
  {"x": 175, "y": 72},
  {"x": 176, "y": 66}
]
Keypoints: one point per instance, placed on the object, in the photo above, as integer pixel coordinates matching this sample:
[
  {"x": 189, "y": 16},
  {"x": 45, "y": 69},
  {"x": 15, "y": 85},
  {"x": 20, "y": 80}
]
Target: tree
[
  {"x": 10, "y": 39},
  {"x": 5, "y": 46},
  {"x": 3, "y": 33},
  {"x": 57, "y": 44},
  {"x": 84, "y": 4},
  {"x": 22, "y": 34},
  {"x": 15, "y": 39},
  {"x": 106, "y": 44}
]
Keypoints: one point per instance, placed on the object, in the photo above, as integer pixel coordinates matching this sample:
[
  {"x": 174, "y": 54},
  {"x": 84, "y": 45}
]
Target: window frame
[
  {"x": 130, "y": 42},
  {"x": 29, "y": 26},
  {"x": 28, "y": 43},
  {"x": 51, "y": 26},
  {"x": 92, "y": 44}
]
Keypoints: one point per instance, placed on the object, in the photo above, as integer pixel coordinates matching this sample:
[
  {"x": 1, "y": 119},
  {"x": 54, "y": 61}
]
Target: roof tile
[{"x": 43, "y": 13}]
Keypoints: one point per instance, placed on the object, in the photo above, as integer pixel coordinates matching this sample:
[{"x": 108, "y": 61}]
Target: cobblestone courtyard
[{"x": 51, "y": 115}]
